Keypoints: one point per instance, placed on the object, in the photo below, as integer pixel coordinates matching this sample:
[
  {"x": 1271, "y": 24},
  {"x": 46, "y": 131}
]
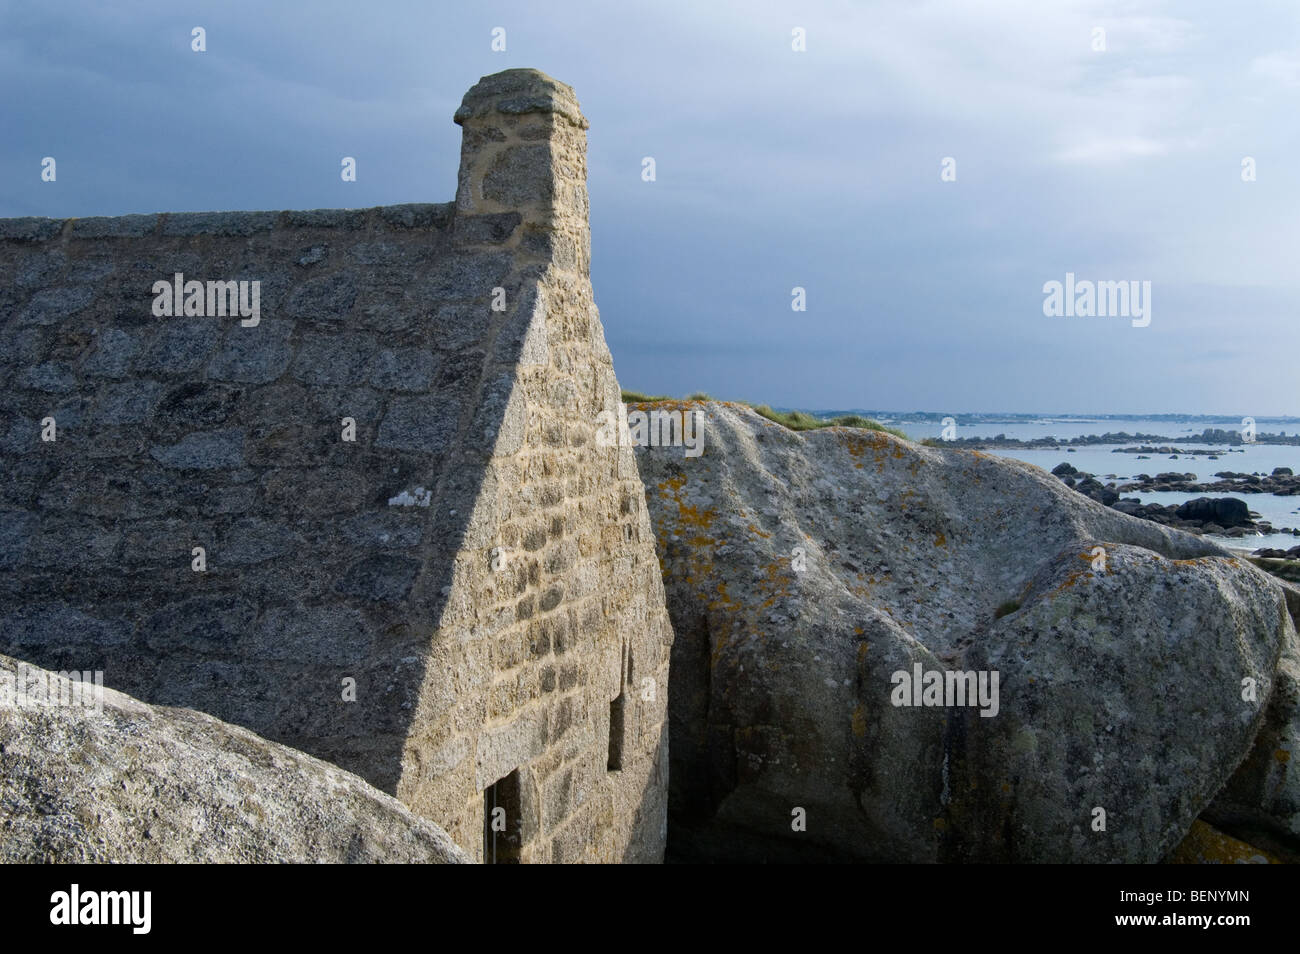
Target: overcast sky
[{"x": 775, "y": 169}]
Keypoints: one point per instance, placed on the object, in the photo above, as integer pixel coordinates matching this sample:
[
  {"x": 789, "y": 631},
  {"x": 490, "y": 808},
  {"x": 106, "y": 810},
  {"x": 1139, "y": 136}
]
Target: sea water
[{"x": 1108, "y": 464}]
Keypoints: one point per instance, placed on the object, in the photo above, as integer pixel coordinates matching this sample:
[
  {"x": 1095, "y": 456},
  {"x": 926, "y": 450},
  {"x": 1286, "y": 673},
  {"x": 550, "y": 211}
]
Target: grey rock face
[
  {"x": 141, "y": 784},
  {"x": 804, "y": 571},
  {"x": 417, "y": 424},
  {"x": 324, "y": 299},
  {"x": 49, "y": 306},
  {"x": 406, "y": 369},
  {"x": 179, "y": 347},
  {"x": 113, "y": 355},
  {"x": 1262, "y": 799},
  {"x": 205, "y": 451},
  {"x": 254, "y": 355}
]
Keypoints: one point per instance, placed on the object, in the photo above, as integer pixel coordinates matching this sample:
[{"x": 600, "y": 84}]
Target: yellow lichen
[{"x": 1205, "y": 845}]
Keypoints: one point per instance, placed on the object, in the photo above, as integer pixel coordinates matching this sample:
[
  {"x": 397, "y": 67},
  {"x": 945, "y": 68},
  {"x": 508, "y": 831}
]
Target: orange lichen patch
[
  {"x": 1195, "y": 561},
  {"x": 675, "y": 405},
  {"x": 722, "y": 605},
  {"x": 673, "y": 483},
  {"x": 694, "y": 517},
  {"x": 754, "y": 529},
  {"x": 940, "y": 824},
  {"x": 857, "y": 443},
  {"x": 1006, "y": 787},
  {"x": 1072, "y": 579},
  {"x": 1282, "y": 755},
  {"x": 862, "y": 650},
  {"x": 1205, "y": 845},
  {"x": 699, "y": 544},
  {"x": 859, "y": 721},
  {"x": 857, "y": 630},
  {"x": 940, "y": 540},
  {"x": 716, "y": 655}
]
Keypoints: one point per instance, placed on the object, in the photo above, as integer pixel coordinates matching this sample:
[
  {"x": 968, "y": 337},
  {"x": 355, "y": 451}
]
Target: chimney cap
[{"x": 518, "y": 91}]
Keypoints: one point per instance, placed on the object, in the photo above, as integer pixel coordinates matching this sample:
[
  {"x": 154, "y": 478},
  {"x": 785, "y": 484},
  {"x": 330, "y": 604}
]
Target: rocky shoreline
[
  {"x": 1220, "y": 516},
  {"x": 1281, "y": 483},
  {"x": 1211, "y": 435}
]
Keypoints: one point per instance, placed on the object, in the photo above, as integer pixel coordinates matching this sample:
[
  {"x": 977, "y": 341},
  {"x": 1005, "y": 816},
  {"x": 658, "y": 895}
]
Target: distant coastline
[
  {"x": 1050, "y": 431},
  {"x": 1152, "y": 441}
]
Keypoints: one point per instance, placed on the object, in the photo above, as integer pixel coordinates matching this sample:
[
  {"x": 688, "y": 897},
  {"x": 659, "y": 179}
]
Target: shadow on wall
[
  {"x": 257, "y": 522},
  {"x": 293, "y": 520},
  {"x": 258, "y": 519}
]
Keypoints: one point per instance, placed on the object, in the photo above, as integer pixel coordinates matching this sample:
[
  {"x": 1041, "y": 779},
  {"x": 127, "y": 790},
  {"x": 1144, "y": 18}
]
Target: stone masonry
[{"x": 416, "y": 562}]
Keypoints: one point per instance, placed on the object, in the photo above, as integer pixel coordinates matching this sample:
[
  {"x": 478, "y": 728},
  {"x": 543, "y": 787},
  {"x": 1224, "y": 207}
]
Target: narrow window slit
[
  {"x": 616, "y": 711},
  {"x": 502, "y": 821}
]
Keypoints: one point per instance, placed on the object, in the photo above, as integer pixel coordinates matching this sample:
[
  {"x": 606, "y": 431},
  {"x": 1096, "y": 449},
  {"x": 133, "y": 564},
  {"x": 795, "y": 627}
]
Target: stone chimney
[{"x": 524, "y": 151}]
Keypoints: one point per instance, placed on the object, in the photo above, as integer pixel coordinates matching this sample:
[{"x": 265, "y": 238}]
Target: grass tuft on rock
[
  {"x": 794, "y": 420},
  {"x": 1006, "y": 609},
  {"x": 1288, "y": 570}
]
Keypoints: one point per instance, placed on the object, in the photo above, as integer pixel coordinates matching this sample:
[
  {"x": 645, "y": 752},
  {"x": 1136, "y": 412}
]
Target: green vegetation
[
  {"x": 1010, "y": 606},
  {"x": 794, "y": 420},
  {"x": 1288, "y": 570},
  {"x": 636, "y": 397}
]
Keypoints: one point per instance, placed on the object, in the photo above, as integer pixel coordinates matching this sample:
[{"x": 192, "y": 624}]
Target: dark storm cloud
[{"x": 775, "y": 169}]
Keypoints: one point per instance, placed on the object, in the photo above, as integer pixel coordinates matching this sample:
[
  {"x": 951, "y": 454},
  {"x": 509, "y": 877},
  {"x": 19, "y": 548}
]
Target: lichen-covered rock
[
  {"x": 1206, "y": 845},
  {"x": 1262, "y": 799},
  {"x": 816, "y": 580},
  {"x": 145, "y": 784}
]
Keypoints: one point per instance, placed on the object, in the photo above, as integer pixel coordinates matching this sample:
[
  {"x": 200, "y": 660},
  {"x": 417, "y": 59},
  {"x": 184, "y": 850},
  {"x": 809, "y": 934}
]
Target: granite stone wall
[{"x": 372, "y": 522}]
